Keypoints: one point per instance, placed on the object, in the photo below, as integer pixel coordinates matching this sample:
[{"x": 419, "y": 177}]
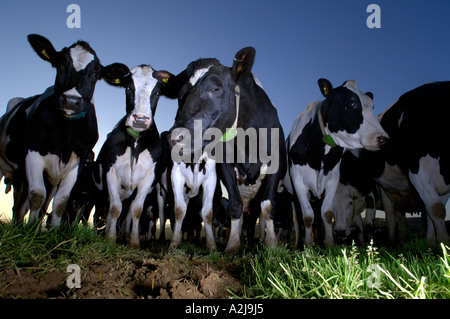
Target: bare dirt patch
[{"x": 166, "y": 278}]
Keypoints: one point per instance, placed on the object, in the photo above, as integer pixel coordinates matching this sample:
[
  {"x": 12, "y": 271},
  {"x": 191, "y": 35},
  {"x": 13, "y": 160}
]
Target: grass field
[{"x": 33, "y": 264}]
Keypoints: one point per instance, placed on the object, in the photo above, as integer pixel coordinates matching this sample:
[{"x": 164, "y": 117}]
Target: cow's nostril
[
  {"x": 174, "y": 140},
  {"x": 382, "y": 140}
]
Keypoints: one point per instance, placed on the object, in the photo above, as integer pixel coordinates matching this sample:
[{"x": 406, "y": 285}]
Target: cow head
[
  {"x": 348, "y": 118},
  {"x": 77, "y": 71},
  {"x": 209, "y": 95},
  {"x": 143, "y": 88},
  {"x": 347, "y": 201}
]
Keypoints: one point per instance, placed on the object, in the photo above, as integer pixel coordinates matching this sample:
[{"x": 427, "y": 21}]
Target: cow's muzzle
[
  {"x": 342, "y": 238},
  {"x": 72, "y": 106},
  {"x": 140, "y": 121}
]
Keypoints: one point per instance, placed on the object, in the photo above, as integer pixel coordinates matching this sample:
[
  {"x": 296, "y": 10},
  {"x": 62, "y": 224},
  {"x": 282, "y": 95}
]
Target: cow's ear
[
  {"x": 115, "y": 74},
  {"x": 326, "y": 88},
  {"x": 43, "y": 47},
  {"x": 369, "y": 94},
  {"x": 163, "y": 76},
  {"x": 171, "y": 84},
  {"x": 243, "y": 62}
]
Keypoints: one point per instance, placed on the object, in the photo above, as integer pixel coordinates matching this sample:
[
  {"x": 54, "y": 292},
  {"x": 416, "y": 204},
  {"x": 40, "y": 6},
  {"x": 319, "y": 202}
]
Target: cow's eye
[
  {"x": 215, "y": 89},
  {"x": 350, "y": 103}
]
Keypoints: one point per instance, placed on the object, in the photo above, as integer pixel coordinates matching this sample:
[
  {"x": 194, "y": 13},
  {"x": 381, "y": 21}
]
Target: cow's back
[
  {"x": 418, "y": 125},
  {"x": 13, "y": 131}
]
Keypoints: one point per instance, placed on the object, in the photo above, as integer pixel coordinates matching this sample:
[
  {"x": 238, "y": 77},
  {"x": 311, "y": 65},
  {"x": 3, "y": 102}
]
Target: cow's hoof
[{"x": 231, "y": 248}]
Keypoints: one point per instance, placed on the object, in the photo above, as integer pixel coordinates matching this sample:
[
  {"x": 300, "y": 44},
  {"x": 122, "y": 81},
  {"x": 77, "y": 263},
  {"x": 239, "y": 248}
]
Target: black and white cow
[
  {"x": 44, "y": 138},
  {"x": 318, "y": 137},
  {"x": 413, "y": 169},
  {"x": 359, "y": 190},
  {"x": 188, "y": 181},
  {"x": 129, "y": 161},
  {"x": 355, "y": 193},
  {"x": 230, "y": 105}
]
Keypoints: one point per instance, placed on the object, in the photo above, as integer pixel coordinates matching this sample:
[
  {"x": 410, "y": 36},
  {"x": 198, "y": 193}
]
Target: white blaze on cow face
[
  {"x": 80, "y": 57},
  {"x": 198, "y": 74},
  {"x": 370, "y": 131},
  {"x": 141, "y": 117}
]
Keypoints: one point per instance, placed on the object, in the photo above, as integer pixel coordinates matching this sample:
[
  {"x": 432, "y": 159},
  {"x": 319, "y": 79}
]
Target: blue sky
[{"x": 296, "y": 42}]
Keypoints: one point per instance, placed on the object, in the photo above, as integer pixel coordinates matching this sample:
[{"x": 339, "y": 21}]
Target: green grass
[
  {"x": 40, "y": 250},
  {"x": 408, "y": 271},
  {"x": 412, "y": 271}
]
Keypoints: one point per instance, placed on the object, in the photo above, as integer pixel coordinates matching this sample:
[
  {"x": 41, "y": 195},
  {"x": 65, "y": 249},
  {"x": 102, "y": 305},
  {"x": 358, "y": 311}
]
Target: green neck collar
[
  {"x": 229, "y": 135},
  {"x": 327, "y": 139},
  {"x": 76, "y": 117},
  {"x": 137, "y": 135},
  {"x": 232, "y": 132}
]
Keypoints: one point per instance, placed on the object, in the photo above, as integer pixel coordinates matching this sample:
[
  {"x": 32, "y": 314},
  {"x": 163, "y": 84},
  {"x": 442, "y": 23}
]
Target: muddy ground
[{"x": 167, "y": 278}]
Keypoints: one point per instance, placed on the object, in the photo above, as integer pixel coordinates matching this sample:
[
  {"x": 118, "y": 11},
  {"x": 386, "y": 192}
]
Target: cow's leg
[
  {"x": 162, "y": 220},
  {"x": 136, "y": 208},
  {"x": 262, "y": 225},
  {"x": 115, "y": 209},
  {"x": 426, "y": 188},
  {"x": 178, "y": 182},
  {"x": 235, "y": 206},
  {"x": 209, "y": 188},
  {"x": 307, "y": 211},
  {"x": 34, "y": 168},
  {"x": 389, "y": 210},
  {"x": 268, "y": 209},
  {"x": 135, "y": 213},
  {"x": 55, "y": 219},
  {"x": 297, "y": 226},
  {"x": 21, "y": 204},
  {"x": 327, "y": 207},
  {"x": 359, "y": 224},
  {"x": 287, "y": 182},
  {"x": 369, "y": 220},
  {"x": 115, "y": 205},
  {"x": 402, "y": 226}
]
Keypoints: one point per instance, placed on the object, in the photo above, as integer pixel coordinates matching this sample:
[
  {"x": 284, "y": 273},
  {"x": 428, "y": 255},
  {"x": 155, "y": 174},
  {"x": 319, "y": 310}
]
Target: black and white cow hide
[
  {"x": 230, "y": 105},
  {"x": 129, "y": 161},
  {"x": 45, "y": 138},
  {"x": 413, "y": 169},
  {"x": 318, "y": 137}
]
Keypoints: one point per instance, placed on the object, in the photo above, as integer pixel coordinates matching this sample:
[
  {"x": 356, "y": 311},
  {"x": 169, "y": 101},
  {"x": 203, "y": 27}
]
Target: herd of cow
[{"x": 337, "y": 161}]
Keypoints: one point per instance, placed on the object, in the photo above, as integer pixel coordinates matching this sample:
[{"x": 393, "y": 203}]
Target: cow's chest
[
  {"x": 316, "y": 181},
  {"x": 248, "y": 191},
  {"x": 132, "y": 171},
  {"x": 55, "y": 169},
  {"x": 192, "y": 177}
]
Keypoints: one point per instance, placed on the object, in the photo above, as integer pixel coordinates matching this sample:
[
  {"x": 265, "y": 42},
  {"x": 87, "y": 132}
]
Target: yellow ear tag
[
  {"x": 117, "y": 81},
  {"x": 166, "y": 80},
  {"x": 44, "y": 53},
  {"x": 325, "y": 90}
]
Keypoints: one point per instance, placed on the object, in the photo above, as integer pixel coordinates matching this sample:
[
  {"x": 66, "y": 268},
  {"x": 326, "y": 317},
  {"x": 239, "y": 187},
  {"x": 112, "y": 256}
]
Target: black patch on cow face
[
  {"x": 342, "y": 111},
  {"x": 82, "y": 80},
  {"x": 209, "y": 96},
  {"x": 77, "y": 71}
]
